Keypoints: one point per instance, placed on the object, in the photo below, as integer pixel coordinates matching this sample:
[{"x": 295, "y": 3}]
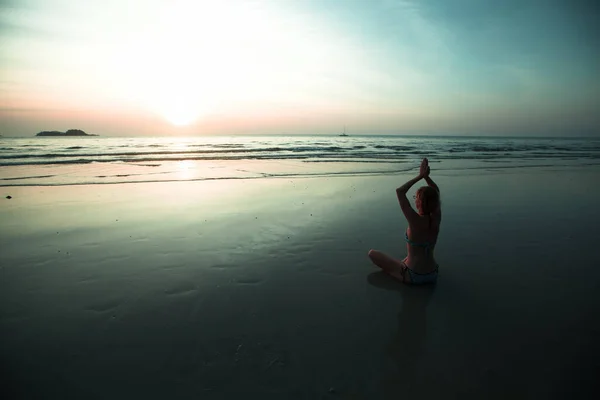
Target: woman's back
[{"x": 421, "y": 238}]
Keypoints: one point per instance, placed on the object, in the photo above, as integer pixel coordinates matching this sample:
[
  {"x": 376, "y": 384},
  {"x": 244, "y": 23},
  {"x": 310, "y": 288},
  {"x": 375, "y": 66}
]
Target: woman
[{"x": 419, "y": 266}]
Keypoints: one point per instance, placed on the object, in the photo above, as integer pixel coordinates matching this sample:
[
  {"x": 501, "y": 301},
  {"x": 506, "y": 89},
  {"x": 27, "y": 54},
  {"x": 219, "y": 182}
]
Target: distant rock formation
[{"x": 70, "y": 132}]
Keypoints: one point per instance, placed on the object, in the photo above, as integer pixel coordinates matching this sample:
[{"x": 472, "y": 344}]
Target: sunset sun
[
  {"x": 180, "y": 112},
  {"x": 180, "y": 117}
]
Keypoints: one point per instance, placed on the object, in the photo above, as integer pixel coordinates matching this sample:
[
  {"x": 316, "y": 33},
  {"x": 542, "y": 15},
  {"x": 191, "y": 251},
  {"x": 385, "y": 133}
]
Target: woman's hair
[{"x": 427, "y": 199}]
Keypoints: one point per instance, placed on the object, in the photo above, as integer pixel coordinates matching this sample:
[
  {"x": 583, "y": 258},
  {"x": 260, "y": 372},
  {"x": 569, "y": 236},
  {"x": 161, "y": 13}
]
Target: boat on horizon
[{"x": 344, "y": 134}]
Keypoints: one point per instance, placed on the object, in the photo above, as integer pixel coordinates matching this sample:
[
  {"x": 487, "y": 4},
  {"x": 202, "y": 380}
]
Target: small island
[{"x": 70, "y": 132}]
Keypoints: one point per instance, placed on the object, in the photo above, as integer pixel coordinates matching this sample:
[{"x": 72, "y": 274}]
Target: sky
[{"x": 194, "y": 67}]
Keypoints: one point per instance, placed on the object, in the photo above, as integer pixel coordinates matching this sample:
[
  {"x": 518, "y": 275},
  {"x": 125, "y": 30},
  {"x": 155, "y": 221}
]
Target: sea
[{"x": 48, "y": 161}]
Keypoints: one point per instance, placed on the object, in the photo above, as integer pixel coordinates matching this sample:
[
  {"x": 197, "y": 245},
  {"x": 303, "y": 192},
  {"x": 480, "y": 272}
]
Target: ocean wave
[
  {"x": 141, "y": 151},
  {"x": 396, "y": 148},
  {"x": 357, "y": 160},
  {"x": 26, "y": 177},
  {"x": 323, "y": 157},
  {"x": 41, "y": 162},
  {"x": 178, "y": 152},
  {"x": 228, "y": 145}
]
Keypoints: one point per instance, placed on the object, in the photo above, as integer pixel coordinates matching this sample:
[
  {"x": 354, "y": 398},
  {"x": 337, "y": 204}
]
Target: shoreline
[{"x": 201, "y": 171}]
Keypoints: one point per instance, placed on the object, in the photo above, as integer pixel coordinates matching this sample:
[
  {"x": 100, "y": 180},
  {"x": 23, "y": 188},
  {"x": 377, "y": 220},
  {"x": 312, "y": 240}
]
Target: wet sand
[{"x": 262, "y": 288}]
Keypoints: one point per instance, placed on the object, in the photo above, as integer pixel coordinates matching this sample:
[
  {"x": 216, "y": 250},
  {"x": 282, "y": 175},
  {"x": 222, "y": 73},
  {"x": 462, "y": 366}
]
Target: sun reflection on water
[{"x": 185, "y": 169}]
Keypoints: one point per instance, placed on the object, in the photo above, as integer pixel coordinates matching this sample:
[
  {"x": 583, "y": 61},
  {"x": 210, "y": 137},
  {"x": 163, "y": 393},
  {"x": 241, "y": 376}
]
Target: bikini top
[{"x": 426, "y": 245}]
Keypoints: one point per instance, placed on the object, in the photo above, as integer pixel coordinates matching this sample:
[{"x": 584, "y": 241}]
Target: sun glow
[
  {"x": 179, "y": 108},
  {"x": 190, "y": 60},
  {"x": 194, "y": 58},
  {"x": 180, "y": 116},
  {"x": 179, "y": 81},
  {"x": 185, "y": 169},
  {"x": 190, "y": 57}
]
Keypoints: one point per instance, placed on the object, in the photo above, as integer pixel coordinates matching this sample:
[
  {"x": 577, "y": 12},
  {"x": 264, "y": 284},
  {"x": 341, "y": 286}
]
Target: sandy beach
[
  {"x": 190, "y": 191},
  {"x": 261, "y": 288}
]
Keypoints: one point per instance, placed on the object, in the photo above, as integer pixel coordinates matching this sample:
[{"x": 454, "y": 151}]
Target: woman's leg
[{"x": 390, "y": 265}]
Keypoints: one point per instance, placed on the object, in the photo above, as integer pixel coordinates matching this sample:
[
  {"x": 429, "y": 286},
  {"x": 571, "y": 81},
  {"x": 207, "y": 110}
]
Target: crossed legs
[{"x": 390, "y": 265}]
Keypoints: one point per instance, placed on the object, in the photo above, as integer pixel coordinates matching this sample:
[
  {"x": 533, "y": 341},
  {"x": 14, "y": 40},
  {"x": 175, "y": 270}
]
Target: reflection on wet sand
[{"x": 408, "y": 344}]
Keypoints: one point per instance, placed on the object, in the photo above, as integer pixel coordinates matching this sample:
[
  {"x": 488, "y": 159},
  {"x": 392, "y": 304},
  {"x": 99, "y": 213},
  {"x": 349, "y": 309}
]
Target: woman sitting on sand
[{"x": 423, "y": 227}]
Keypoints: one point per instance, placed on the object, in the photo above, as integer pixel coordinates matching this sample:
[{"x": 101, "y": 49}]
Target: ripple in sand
[
  {"x": 249, "y": 281},
  {"x": 113, "y": 258},
  {"x": 184, "y": 288},
  {"x": 224, "y": 266},
  {"x": 88, "y": 279},
  {"x": 88, "y": 244},
  {"x": 105, "y": 306}
]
